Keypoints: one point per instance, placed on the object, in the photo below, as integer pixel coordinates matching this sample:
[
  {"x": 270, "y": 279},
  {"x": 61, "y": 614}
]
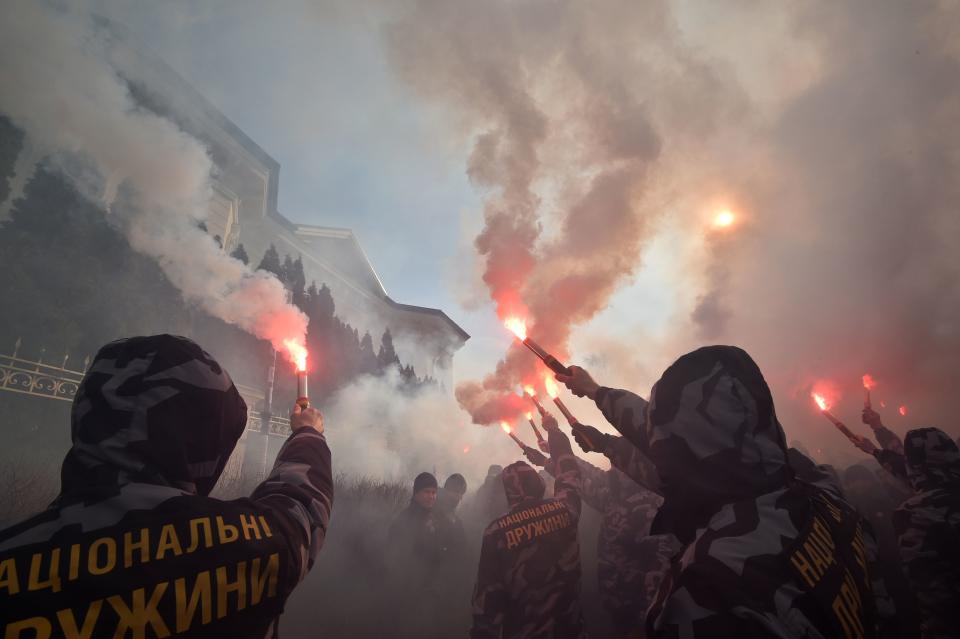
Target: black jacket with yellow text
[{"x": 133, "y": 546}]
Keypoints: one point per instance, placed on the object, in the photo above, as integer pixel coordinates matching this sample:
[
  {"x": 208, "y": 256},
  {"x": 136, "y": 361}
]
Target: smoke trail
[
  {"x": 565, "y": 103},
  {"x": 59, "y": 87}
]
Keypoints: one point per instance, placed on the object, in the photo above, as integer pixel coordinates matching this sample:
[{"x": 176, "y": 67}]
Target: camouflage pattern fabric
[
  {"x": 631, "y": 562},
  {"x": 133, "y": 544},
  {"x": 928, "y": 526},
  {"x": 528, "y": 579},
  {"x": 766, "y": 555}
]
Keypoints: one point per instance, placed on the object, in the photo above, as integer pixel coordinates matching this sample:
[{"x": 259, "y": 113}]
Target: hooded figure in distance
[
  {"x": 133, "y": 542},
  {"x": 766, "y": 555},
  {"x": 528, "y": 580},
  {"x": 928, "y": 525}
]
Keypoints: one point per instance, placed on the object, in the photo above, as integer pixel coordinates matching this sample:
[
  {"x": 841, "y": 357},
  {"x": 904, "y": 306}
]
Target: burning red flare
[
  {"x": 529, "y": 415},
  {"x": 530, "y": 390},
  {"x": 506, "y": 427},
  {"x": 868, "y": 382},
  {"x": 903, "y": 410},
  {"x": 517, "y": 326},
  {"x": 297, "y": 353},
  {"x": 552, "y": 389},
  {"x": 821, "y": 401}
]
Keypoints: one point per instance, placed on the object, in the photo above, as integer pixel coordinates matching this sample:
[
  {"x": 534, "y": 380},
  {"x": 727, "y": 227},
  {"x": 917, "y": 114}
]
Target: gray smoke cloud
[
  {"x": 567, "y": 105},
  {"x": 60, "y": 88},
  {"x": 828, "y": 127}
]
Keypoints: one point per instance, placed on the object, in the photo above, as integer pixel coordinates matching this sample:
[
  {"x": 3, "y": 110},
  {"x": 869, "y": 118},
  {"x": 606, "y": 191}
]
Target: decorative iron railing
[{"x": 52, "y": 381}]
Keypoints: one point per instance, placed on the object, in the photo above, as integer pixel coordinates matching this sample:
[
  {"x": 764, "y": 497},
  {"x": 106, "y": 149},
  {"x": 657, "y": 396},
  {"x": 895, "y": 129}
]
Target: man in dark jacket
[
  {"x": 528, "y": 580},
  {"x": 928, "y": 525},
  {"x": 133, "y": 544},
  {"x": 766, "y": 555}
]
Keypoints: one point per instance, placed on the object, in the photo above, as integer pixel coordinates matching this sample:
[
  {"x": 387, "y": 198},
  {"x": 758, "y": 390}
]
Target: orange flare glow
[
  {"x": 903, "y": 410},
  {"x": 868, "y": 382},
  {"x": 552, "y": 389},
  {"x": 529, "y": 415},
  {"x": 529, "y": 390},
  {"x": 517, "y": 326},
  {"x": 297, "y": 353},
  {"x": 506, "y": 427},
  {"x": 724, "y": 219},
  {"x": 820, "y": 400}
]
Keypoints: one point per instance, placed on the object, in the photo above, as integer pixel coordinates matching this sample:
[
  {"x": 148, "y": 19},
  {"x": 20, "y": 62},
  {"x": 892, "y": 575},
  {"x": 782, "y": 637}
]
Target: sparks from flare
[
  {"x": 903, "y": 410},
  {"x": 724, "y": 219},
  {"x": 297, "y": 353},
  {"x": 551, "y": 386},
  {"x": 821, "y": 401},
  {"x": 516, "y": 326}
]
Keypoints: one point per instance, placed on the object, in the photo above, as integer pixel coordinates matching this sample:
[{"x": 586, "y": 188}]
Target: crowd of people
[{"x": 711, "y": 526}]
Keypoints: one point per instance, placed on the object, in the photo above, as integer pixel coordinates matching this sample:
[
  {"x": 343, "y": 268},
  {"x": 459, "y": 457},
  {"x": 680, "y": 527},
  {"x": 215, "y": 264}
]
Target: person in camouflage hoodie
[
  {"x": 928, "y": 526},
  {"x": 766, "y": 554},
  {"x": 134, "y": 544},
  {"x": 631, "y": 562},
  {"x": 528, "y": 578}
]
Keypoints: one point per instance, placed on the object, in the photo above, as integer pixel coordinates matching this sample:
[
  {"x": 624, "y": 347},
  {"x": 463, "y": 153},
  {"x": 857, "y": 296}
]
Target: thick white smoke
[{"x": 59, "y": 87}]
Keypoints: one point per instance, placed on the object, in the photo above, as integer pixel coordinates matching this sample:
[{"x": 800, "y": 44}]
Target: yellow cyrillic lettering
[
  {"x": 199, "y": 596},
  {"x": 226, "y": 533},
  {"x": 168, "y": 541},
  {"x": 806, "y": 570},
  {"x": 195, "y": 525},
  {"x": 268, "y": 578},
  {"x": 225, "y": 587},
  {"x": 265, "y": 526},
  {"x": 74, "y": 570},
  {"x": 40, "y": 626},
  {"x": 142, "y": 613},
  {"x": 69, "y": 624},
  {"x": 143, "y": 545},
  {"x": 249, "y": 524},
  {"x": 8, "y": 576},
  {"x": 53, "y": 580},
  {"x": 94, "y": 567}
]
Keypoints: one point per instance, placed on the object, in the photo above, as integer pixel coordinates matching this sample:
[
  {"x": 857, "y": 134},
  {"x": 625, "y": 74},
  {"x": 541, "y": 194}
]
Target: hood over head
[
  {"x": 932, "y": 459},
  {"x": 156, "y": 410},
  {"x": 712, "y": 431},
  {"x": 522, "y": 483}
]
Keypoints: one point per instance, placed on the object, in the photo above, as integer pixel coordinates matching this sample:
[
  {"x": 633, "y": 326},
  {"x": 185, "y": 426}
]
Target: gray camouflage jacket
[
  {"x": 928, "y": 526},
  {"x": 134, "y": 544},
  {"x": 766, "y": 555}
]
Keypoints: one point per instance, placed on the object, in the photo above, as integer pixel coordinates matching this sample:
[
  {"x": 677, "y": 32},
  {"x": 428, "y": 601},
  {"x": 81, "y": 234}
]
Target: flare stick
[
  {"x": 536, "y": 431},
  {"x": 552, "y": 362},
  {"x": 574, "y": 423},
  {"x": 303, "y": 397}
]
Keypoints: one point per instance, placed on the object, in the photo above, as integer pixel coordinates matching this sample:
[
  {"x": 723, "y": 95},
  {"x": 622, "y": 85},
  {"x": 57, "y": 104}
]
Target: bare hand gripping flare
[{"x": 519, "y": 328}]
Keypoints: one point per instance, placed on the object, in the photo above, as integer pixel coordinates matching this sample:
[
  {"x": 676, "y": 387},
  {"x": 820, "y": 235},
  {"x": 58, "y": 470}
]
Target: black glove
[
  {"x": 534, "y": 456},
  {"x": 590, "y": 439}
]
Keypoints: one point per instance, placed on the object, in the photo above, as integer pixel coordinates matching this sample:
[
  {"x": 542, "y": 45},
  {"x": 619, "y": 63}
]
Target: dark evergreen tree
[
  {"x": 286, "y": 271},
  {"x": 11, "y": 143},
  {"x": 240, "y": 253},
  {"x": 297, "y": 281},
  {"x": 271, "y": 262},
  {"x": 387, "y": 356}
]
